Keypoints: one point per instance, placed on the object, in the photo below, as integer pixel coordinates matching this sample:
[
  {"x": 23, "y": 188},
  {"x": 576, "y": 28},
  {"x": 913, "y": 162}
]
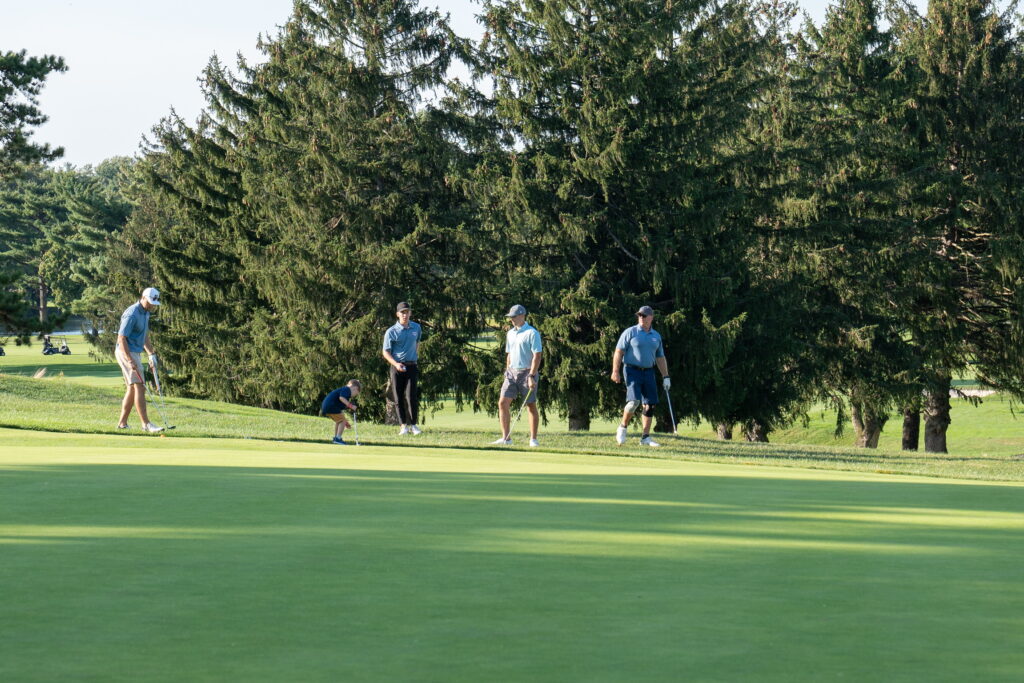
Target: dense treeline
[
  {"x": 830, "y": 213},
  {"x": 21, "y": 80}
]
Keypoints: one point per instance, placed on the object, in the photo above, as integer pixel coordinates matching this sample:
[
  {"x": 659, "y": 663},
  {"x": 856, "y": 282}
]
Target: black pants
[{"x": 405, "y": 394}]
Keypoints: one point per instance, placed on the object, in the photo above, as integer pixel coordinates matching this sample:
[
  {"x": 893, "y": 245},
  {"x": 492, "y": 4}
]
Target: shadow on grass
[{"x": 300, "y": 573}]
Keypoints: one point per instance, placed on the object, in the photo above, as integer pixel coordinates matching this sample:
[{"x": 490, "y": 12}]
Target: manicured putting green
[{"x": 140, "y": 559}]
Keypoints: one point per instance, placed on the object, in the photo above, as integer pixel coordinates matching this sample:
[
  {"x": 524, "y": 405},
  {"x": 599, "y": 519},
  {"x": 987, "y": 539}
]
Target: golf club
[
  {"x": 355, "y": 426},
  {"x": 161, "y": 407},
  {"x": 518, "y": 414},
  {"x": 671, "y": 415}
]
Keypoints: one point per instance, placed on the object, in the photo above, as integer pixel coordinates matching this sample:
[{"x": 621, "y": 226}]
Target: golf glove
[{"x": 667, "y": 383}]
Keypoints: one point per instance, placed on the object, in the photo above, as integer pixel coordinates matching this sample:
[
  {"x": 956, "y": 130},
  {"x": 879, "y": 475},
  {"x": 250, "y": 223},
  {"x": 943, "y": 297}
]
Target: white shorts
[{"x": 127, "y": 370}]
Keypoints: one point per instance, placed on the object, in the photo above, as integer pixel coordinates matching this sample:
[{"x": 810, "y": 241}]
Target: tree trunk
[
  {"x": 911, "y": 428},
  {"x": 936, "y": 415},
  {"x": 755, "y": 431},
  {"x": 867, "y": 425},
  {"x": 858, "y": 423},
  {"x": 579, "y": 413},
  {"x": 872, "y": 430},
  {"x": 724, "y": 430},
  {"x": 42, "y": 300}
]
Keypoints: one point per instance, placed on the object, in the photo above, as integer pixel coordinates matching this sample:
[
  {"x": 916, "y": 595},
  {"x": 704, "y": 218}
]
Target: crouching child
[{"x": 338, "y": 401}]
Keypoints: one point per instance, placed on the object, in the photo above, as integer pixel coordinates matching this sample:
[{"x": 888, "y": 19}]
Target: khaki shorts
[
  {"x": 339, "y": 417},
  {"x": 127, "y": 371},
  {"x": 515, "y": 385}
]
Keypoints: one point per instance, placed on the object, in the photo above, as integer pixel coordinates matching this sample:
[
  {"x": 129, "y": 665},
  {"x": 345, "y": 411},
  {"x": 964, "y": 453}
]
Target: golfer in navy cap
[
  {"x": 639, "y": 349},
  {"x": 522, "y": 374},
  {"x": 402, "y": 352}
]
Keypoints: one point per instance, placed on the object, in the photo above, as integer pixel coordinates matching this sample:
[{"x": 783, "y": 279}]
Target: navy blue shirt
[
  {"x": 332, "y": 404},
  {"x": 401, "y": 342},
  {"x": 135, "y": 326},
  {"x": 640, "y": 348}
]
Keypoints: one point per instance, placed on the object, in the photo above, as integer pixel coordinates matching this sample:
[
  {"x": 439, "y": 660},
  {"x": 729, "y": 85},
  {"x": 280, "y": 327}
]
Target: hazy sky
[{"x": 131, "y": 61}]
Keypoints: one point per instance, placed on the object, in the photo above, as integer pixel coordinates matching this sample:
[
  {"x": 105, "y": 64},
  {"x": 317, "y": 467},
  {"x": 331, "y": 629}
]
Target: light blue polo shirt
[
  {"x": 641, "y": 348},
  {"x": 135, "y": 326},
  {"x": 521, "y": 344},
  {"x": 401, "y": 342}
]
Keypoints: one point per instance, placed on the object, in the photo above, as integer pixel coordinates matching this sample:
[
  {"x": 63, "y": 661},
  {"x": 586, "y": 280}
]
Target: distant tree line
[{"x": 822, "y": 214}]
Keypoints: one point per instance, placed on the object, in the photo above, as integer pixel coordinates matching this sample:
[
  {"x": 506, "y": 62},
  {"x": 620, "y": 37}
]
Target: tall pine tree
[
  {"x": 611, "y": 183},
  {"x": 962, "y": 64}
]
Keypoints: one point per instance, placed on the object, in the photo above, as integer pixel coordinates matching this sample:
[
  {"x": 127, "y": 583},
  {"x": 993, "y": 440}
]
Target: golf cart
[{"x": 49, "y": 349}]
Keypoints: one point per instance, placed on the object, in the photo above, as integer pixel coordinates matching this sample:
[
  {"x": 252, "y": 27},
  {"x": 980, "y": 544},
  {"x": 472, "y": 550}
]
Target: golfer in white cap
[
  {"x": 132, "y": 339},
  {"x": 522, "y": 373}
]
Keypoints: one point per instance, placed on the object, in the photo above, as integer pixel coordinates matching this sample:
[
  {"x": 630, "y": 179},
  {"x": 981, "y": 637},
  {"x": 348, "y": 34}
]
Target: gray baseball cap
[
  {"x": 645, "y": 310},
  {"x": 518, "y": 309},
  {"x": 404, "y": 306}
]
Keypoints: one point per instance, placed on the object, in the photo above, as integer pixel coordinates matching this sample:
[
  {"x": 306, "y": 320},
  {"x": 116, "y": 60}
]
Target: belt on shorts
[
  {"x": 407, "y": 362},
  {"x": 637, "y": 367}
]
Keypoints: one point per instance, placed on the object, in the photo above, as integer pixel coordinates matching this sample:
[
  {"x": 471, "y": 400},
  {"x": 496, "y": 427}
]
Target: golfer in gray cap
[
  {"x": 522, "y": 368},
  {"x": 639, "y": 349},
  {"x": 401, "y": 351}
]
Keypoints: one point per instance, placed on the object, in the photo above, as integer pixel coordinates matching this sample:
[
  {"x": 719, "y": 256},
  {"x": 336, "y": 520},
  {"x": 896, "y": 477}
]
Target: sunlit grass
[
  {"x": 80, "y": 396},
  {"x": 136, "y": 558}
]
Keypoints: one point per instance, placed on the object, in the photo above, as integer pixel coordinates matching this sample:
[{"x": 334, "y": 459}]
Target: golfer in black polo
[
  {"x": 401, "y": 350},
  {"x": 639, "y": 349}
]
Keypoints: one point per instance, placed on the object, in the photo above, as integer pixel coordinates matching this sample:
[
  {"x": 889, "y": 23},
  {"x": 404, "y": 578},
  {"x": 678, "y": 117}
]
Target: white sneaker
[
  {"x": 403, "y": 431},
  {"x": 151, "y": 428},
  {"x": 414, "y": 430},
  {"x": 501, "y": 442},
  {"x": 534, "y": 443},
  {"x": 648, "y": 441},
  {"x": 620, "y": 435}
]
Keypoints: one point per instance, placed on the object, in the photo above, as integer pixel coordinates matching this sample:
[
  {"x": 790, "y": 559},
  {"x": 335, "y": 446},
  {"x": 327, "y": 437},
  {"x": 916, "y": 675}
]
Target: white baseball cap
[{"x": 152, "y": 295}]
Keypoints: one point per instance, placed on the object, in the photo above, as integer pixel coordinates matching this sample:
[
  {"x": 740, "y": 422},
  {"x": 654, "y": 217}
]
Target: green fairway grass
[
  {"x": 80, "y": 367},
  {"x": 139, "y": 559},
  {"x": 243, "y": 546},
  {"x": 64, "y": 406},
  {"x": 82, "y": 396}
]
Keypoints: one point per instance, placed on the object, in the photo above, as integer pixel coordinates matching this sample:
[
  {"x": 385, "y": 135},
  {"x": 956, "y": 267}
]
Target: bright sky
[{"x": 131, "y": 61}]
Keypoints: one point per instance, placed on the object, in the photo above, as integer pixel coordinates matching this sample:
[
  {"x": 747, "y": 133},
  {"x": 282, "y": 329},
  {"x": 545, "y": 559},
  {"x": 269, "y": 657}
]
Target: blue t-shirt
[
  {"x": 641, "y": 348},
  {"x": 401, "y": 342},
  {"x": 135, "y": 326},
  {"x": 332, "y": 404},
  {"x": 521, "y": 344}
]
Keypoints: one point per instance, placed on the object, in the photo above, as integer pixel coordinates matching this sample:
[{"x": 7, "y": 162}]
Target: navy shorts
[{"x": 641, "y": 385}]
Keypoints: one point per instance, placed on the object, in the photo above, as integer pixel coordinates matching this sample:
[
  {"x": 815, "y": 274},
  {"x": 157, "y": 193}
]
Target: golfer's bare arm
[
  {"x": 148, "y": 345},
  {"x": 617, "y": 363},
  {"x": 535, "y": 364},
  {"x": 662, "y": 366},
  {"x": 391, "y": 359}
]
